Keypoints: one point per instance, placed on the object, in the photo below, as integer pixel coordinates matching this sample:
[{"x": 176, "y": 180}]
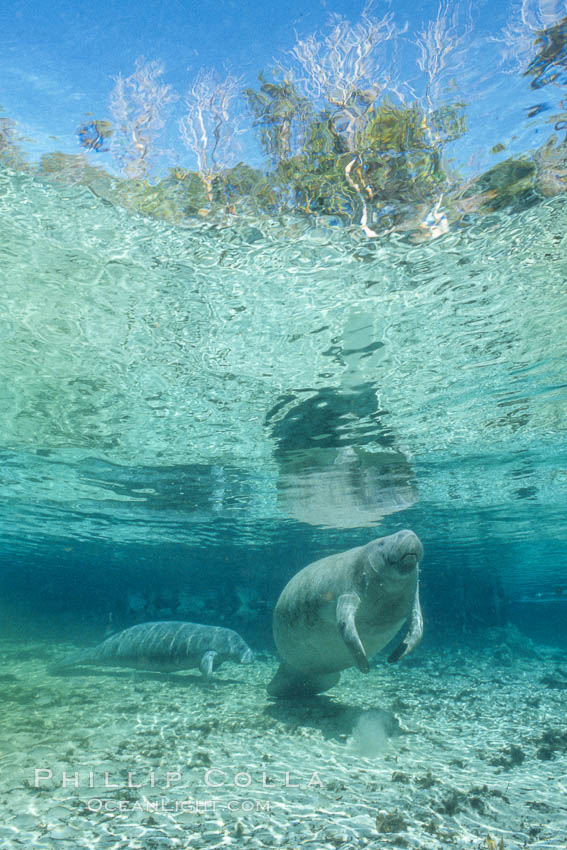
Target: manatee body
[
  {"x": 341, "y": 610},
  {"x": 166, "y": 646}
]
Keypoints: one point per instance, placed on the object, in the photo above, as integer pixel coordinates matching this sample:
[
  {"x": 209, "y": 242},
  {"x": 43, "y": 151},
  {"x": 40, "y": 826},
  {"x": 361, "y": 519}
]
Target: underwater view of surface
[{"x": 283, "y": 359}]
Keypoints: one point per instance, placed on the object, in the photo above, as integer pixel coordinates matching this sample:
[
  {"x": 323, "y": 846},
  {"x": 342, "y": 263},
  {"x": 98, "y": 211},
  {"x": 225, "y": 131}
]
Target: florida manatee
[
  {"x": 341, "y": 610},
  {"x": 166, "y": 646}
]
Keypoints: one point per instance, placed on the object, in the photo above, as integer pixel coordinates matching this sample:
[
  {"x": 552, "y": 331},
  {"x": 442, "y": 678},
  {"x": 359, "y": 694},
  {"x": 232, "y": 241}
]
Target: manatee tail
[
  {"x": 84, "y": 656},
  {"x": 290, "y": 684}
]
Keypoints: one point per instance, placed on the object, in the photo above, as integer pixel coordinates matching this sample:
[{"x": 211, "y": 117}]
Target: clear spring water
[
  {"x": 262, "y": 323},
  {"x": 225, "y": 394}
]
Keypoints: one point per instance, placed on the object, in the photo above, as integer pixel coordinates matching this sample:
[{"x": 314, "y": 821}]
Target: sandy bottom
[{"x": 451, "y": 748}]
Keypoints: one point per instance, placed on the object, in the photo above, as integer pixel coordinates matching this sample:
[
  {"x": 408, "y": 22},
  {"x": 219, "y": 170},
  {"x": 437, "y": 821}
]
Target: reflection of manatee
[
  {"x": 341, "y": 610},
  {"x": 166, "y": 646},
  {"x": 344, "y": 488}
]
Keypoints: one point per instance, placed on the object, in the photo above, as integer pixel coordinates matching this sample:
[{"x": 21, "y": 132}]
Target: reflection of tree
[
  {"x": 343, "y": 139},
  {"x": 11, "y": 153},
  {"x": 549, "y": 67},
  {"x": 345, "y": 70},
  {"x": 347, "y": 61},
  {"x": 391, "y": 163},
  {"x": 70, "y": 168},
  {"x": 526, "y": 19},
  {"x": 281, "y": 115},
  {"x": 138, "y": 104},
  {"x": 550, "y": 63},
  {"x": 209, "y": 126},
  {"x": 441, "y": 43}
]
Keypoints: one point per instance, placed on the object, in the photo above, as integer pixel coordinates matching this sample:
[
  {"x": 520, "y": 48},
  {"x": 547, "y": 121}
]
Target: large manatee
[{"x": 341, "y": 610}]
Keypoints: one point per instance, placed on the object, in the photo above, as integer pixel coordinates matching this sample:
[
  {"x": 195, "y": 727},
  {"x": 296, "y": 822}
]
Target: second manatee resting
[
  {"x": 165, "y": 646},
  {"x": 339, "y": 611}
]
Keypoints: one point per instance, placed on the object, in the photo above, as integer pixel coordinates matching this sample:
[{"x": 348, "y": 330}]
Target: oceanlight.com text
[{"x": 176, "y": 807}]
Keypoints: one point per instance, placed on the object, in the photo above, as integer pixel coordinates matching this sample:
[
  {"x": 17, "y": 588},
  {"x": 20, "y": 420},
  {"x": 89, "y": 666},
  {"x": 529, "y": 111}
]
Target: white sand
[{"x": 470, "y": 767}]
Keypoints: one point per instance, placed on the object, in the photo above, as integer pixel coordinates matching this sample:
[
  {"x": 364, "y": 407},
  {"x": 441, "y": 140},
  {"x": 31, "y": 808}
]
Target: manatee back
[
  {"x": 308, "y": 592},
  {"x": 165, "y": 645}
]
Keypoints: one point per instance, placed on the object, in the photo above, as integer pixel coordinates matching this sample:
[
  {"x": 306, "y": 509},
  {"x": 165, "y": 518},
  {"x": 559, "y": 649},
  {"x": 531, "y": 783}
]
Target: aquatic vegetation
[
  {"x": 428, "y": 780},
  {"x": 556, "y": 682},
  {"x": 452, "y": 803},
  {"x": 552, "y": 742},
  {"x": 510, "y": 756},
  {"x": 490, "y": 843},
  {"x": 510, "y": 636},
  {"x": 393, "y": 821}
]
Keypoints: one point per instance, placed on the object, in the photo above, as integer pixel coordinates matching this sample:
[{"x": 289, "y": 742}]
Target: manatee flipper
[
  {"x": 347, "y": 606},
  {"x": 207, "y": 663},
  {"x": 414, "y": 633},
  {"x": 289, "y": 683}
]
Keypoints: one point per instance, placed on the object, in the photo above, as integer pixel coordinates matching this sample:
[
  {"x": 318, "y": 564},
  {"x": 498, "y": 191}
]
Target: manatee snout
[
  {"x": 247, "y": 657},
  {"x": 402, "y": 550}
]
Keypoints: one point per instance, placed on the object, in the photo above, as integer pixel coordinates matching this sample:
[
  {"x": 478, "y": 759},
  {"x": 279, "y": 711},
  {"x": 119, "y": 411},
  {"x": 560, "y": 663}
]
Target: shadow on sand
[
  {"x": 335, "y": 720},
  {"x": 180, "y": 679}
]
